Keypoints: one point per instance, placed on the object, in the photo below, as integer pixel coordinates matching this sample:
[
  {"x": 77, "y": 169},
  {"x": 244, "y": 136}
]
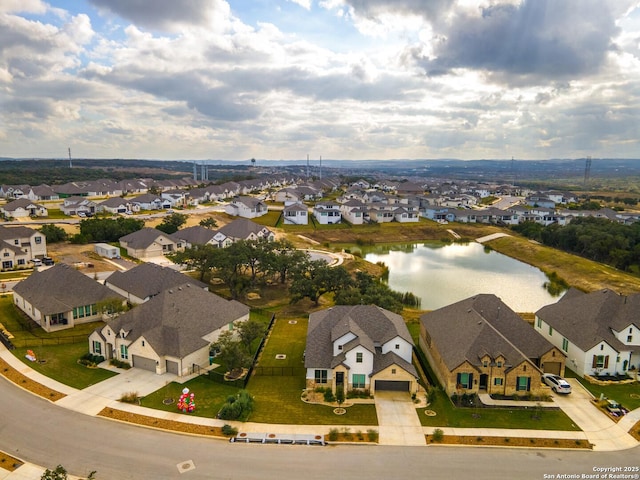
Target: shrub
[
  {"x": 328, "y": 396},
  {"x": 119, "y": 363},
  {"x": 438, "y": 435},
  {"x": 333, "y": 434},
  {"x": 129, "y": 397},
  {"x": 229, "y": 431},
  {"x": 236, "y": 407},
  {"x": 372, "y": 435}
]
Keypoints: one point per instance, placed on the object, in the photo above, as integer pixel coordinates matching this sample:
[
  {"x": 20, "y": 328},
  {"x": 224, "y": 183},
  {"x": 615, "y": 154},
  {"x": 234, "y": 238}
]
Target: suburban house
[
  {"x": 76, "y": 205},
  {"x": 148, "y": 201},
  {"x": 598, "y": 331},
  {"x": 359, "y": 347},
  {"x": 22, "y": 208},
  {"x": 149, "y": 242},
  {"x": 246, "y": 207},
  {"x": 196, "y": 235},
  {"x": 61, "y": 297},
  {"x": 172, "y": 332},
  {"x": 295, "y": 214},
  {"x": 327, "y": 213},
  {"x": 116, "y": 205},
  {"x": 354, "y": 211},
  {"x": 243, "y": 229},
  {"x": 147, "y": 280},
  {"x": 480, "y": 345},
  {"x": 18, "y": 245}
]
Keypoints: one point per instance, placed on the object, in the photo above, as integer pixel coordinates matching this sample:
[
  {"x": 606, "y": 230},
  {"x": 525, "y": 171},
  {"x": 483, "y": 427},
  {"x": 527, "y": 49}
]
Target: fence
[
  {"x": 279, "y": 371},
  {"x": 35, "y": 342}
]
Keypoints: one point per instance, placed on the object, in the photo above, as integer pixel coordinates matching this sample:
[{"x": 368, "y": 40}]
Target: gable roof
[
  {"x": 14, "y": 233},
  {"x": 586, "y": 319},
  {"x": 482, "y": 325},
  {"x": 148, "y": 280},
  {"x": 241, "y": 229},
  {"x": 195, "y": 235},
  {"x": 144, "y": 238},
  {"x": 372, "y": 325},
  {"x": 20, "y": 203},
  {"x": 175, "y": 321},
  {"x": 61, "y": 288}
]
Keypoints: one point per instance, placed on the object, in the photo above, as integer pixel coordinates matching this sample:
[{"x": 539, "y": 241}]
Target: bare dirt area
[
  {"x": 509, "y": 442},
  {"x": 81, "y": 257}
]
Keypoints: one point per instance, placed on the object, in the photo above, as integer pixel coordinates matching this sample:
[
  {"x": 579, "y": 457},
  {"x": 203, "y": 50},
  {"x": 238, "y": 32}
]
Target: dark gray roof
[
  {"x": 372, "y": 326},
  {"x": 241, "y": 228},
  {"x": 196, "y": 235},
  {"x": 114, "y": 202},
  {"x": 587, "y": 319},
  {"x": 61, "y": 288},
  {"x": 14, "y": 233},
  {"x": 143, "y": 238},
  {"x": 175, "y": 321},
  {"x": 20, "y": 203},
  {"x": 148, "y": 279},
  {"x": 482, "y": 325}
]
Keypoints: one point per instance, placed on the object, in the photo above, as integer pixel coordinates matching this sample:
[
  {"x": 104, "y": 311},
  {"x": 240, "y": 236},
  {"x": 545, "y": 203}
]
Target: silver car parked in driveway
[{"x": 557, "y": 383}]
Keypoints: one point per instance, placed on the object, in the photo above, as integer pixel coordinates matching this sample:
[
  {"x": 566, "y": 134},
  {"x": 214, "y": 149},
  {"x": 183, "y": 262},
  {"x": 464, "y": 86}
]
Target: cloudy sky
[{"x": 341, "y": 79}]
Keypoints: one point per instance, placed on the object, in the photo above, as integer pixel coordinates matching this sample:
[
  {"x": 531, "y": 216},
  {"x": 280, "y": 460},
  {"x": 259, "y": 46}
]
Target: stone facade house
[
  {"x": 479, "y": 345},
  {"x": 150, "y": 242}
]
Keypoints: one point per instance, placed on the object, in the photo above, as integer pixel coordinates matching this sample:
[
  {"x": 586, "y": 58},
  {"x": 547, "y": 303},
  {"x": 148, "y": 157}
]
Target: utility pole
[
  {"x": 70, "y": 164},
  {"x": 587, "y": 170}
]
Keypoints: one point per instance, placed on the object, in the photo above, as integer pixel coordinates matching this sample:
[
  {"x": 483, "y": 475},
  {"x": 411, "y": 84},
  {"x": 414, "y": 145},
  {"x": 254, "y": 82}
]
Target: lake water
[{"x": 442, "y": 275}]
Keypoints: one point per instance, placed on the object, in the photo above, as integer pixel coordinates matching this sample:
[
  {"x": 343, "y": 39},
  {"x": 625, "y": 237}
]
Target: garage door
[
  {"x": 144, "y": 363},
  {"x": 172, "y": 367},
  {"x": 552, "y": 367},
  {"x": 396, "y": 386}
]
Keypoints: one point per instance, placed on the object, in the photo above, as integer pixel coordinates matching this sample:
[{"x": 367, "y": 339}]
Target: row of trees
[
  {"x": 597, "y": 239},
  {"x": 250, "y": 263}
]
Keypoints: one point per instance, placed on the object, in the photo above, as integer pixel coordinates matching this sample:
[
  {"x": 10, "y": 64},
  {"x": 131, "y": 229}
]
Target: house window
[
  {"x": 497, "y": 381},
  {"x": 465, "y": 380},
  {"x": 539, "y": 323},
  {"x": 38, "y": 240},
  {"x": 357, "y": 380},
  {"x": 393, "y": 371},
  {"x": 124, "y": 352},
  {"x": 523, "y": 384},
  {"x": 397, "y": 346},
  {"x": 499, "y": 364},
  {"x": 339, "y": 347},
  {"x": 630, "y": 338},
  {"x": 485, "y": 364},
  {"x": 631, "y": 330},
  {"x": 600, "y": 361},
  {"x": 321, "y": 376},
  {"x": 143, "y": 343},
  {"x": 16, "y": 242},
  {"x": 550, "y": 330},
  {"x": 97, "y": 347},
  {"x": 601, "y": 346},
  {"x": 565, "y": 344},
  {"x": 359, "y": 357},
  {"x": 21, "y": 261}
]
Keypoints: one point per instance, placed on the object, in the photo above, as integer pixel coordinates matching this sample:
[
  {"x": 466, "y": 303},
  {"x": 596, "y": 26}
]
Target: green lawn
[
  {"x": 288, "y": 339},
  {"x": 209, "y": 396},
  {"x": 531, "y": 419},
  {"x": 61, "y": 364},
  {"x": 627, "y": 395}
]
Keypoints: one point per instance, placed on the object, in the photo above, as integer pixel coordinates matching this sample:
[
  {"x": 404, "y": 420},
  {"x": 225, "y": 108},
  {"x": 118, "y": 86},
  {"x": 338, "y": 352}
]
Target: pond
[{"x": 444, "y": 274}]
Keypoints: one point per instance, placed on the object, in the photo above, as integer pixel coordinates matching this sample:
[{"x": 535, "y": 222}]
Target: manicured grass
[
  {"x": 288, "y": 339},
  {"x": 209, "y": 396},
  {"x": 15, "y": 275},
  {"x": 529, "y": 419},
  {"x": 61, "y": 364},
  {"x": 628, "y": 395},
  {"x": 278, "y": 400}
]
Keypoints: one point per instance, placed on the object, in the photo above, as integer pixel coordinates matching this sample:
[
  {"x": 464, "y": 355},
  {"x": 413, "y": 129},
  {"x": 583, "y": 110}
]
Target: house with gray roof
[
  {"x": 196, "y": 235},
  {"x": 359, "y": 347},
  {"x": 22, "y": 208},
  {"x": 295, "y": 214},
  {"x": 116, "y": 205},
  {"x": 247, "y": 207},
  {"x": 61, "y": 297},
  {"x": 480, "y": 345},
  {"x": 244, "y": 229},
  {"x": 598, "y": 331},
  {"x": 150, "y": 242},
  {"x": 20, "y": 244},
  {"x": 172, "y": 332},
  {"x": 146, "y": 280}
]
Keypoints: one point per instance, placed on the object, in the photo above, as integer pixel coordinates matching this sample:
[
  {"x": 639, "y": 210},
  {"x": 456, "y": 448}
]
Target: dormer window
[
  {"x": 340, "y": 347},
  {"x": 499, "y": 364},
  {"x": 359, "y": 357}
]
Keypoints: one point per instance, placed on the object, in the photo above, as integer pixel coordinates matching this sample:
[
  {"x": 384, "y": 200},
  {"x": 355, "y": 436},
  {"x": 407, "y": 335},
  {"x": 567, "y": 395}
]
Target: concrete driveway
[
  {"x": 398, "y": 422},
  {"x": 604, "y": 433}
]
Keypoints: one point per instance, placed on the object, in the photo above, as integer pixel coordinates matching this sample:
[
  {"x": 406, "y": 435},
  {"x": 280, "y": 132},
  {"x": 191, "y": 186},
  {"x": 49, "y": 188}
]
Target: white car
[{"x": 557, "y": 383}]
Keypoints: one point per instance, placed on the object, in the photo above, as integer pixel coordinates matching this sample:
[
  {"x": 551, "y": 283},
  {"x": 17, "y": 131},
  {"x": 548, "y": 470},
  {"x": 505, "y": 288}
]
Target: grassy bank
[{"x": 578, "y": 272}]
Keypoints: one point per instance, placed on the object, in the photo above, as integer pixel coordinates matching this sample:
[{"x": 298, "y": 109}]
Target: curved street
[{"x": 42, "y": 433}]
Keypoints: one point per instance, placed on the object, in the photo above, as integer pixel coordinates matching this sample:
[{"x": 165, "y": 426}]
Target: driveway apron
[{"x": 398, "y": 422}]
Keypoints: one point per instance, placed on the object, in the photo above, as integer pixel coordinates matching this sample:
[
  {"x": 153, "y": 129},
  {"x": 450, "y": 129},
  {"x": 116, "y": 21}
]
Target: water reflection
[{"x": 444, "y": 274}]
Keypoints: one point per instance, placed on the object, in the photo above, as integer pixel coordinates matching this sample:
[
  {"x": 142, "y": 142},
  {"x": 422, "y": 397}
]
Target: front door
[
  {"x": 483, "y": 381},
  {"x": 339, "y": 380}
]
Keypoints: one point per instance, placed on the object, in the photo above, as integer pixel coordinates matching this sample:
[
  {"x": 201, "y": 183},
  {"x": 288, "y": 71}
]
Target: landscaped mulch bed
[
  {"x": 161, "y": 423},
  {"x": 25, "y": 382},
  {"x": 509, "y": 442},
  {"x": 7, "y": 462}
]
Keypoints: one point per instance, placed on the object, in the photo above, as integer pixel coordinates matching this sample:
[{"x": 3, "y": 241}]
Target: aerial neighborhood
[{"x": 166, "y": 305}]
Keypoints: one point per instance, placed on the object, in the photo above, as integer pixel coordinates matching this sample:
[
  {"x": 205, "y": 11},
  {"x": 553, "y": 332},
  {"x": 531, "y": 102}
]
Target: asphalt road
[{"x": 42, "y": 433}]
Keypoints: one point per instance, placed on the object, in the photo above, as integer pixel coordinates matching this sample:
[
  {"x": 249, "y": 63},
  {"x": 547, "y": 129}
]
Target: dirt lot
[{"x": 81, "y": 257}]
